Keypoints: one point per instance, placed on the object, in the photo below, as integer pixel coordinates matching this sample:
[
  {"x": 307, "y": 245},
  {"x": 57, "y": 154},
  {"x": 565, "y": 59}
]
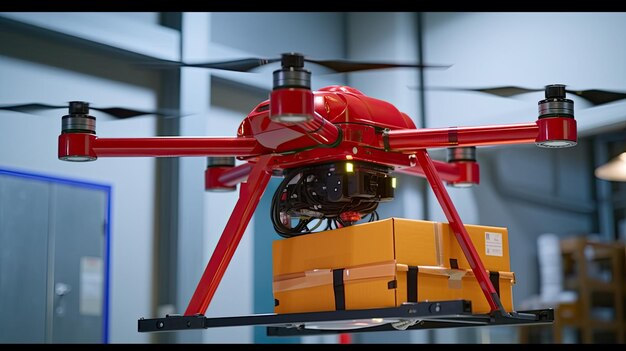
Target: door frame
[{"x": 107, "y": 227}]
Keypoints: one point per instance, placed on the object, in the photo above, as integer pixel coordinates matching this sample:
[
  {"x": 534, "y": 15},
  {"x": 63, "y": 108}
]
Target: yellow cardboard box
[
  {"x": 408, "y": 241},
  {"x": 366, "y": 250},
  {"x": 382, "y": 285},
  {"x": 412, "y": 242}
]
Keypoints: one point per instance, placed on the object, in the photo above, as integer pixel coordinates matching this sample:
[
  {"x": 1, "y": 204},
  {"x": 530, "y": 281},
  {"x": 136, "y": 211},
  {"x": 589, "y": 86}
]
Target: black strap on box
[
  {"x": 340, "y": 295},
  {"x": 411, "y": 284},
  {"x": 495, "y": 281}
]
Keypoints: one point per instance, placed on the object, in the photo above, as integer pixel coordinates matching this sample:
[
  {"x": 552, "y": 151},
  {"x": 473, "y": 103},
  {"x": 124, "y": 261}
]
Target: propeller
[
  {"x": 117, "y": 112},
  {"x": 594, "y": 96},
  {"x": 289, "y": 62},
  {"x": 337, "y": 66}
]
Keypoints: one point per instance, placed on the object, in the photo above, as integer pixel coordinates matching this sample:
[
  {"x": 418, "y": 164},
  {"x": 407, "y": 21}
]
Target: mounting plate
[{"x": 408, "y": 316}]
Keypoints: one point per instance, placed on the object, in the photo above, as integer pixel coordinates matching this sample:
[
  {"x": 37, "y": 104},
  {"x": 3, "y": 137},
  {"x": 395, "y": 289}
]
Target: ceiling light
[{"x": 614, "y": 170}]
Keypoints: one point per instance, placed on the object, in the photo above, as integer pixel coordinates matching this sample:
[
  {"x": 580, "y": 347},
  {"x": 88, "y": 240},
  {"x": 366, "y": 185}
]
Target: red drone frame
[{"x": 298, "y": 127}]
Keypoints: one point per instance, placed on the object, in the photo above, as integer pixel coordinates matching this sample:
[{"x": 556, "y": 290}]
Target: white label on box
[{"x": 493, "y": 244}]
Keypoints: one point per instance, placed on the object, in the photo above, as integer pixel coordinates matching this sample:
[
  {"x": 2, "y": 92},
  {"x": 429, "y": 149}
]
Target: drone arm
[
  {"x": 552, "y": 131},
  {"x": 412, "y": 139},
  {"x": 287, "y": 136},
  {"x": 453, "y": 172},
  {"x": 175, "y": 146},
  {"x": 235, "y": 175},
  {"x": 89, "y": 145},
  {"x": 249, "y": 197},
  {"x": 321, "y": 130}
]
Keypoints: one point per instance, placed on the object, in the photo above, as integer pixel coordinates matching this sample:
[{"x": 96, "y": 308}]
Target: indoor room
[{"x": 312, "y": 177}]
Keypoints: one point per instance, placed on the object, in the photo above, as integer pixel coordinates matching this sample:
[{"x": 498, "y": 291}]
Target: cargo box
[
  {"x": 411, "y": 242},
  {"x": 387, "y": 284},
  {"x": 371, "y": 263}
]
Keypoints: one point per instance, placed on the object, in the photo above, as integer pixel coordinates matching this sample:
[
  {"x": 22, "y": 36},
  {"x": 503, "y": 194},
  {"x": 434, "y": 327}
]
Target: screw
[
  {"x": 292, "y": 59},
  {"x": 79, "y": 108}
]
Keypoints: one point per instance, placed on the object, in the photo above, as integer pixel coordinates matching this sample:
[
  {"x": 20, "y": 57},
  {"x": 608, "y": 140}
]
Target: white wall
[
  {"x": 29, "y": 143},
  {"x": 145, "y": 17},
  {"x": 269, "y": 34},
  {"x": 582, "y": 50}
]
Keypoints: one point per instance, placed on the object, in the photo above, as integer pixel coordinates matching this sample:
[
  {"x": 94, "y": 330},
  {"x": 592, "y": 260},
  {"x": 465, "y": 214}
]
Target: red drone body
[
  {"x": 358, "y": 116},
  {"x": 298, "y": 128}
]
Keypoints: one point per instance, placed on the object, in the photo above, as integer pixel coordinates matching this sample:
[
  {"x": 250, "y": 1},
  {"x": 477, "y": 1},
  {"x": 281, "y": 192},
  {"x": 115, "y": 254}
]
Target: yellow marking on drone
[{"x": 349, "y": 167}]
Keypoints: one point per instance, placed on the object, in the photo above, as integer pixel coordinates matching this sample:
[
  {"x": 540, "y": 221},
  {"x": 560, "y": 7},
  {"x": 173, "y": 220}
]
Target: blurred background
[{"x": 88, "y": 248}]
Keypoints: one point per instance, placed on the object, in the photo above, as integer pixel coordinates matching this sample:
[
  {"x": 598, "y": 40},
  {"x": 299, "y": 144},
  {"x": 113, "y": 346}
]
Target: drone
[{"x": 336, "y": 148}]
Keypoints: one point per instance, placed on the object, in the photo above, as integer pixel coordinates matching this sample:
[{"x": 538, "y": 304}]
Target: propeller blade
[
  {"x": 338, "y": 66},
  {"x": 123, "y": 113},
  {"x": 345, "y": 66},
  {"x": 241, "y": 65},
  {"x": 598, "y": 97},
  {"x": 27, "y": 108},
  {"x": 507, "y": 91},
  {"x": 117, "y": 112},
  {"x": 594, "y": 96}
]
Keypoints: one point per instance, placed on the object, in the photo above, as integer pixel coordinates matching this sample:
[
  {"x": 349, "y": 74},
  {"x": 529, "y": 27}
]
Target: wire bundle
[{"x": 301, "y": 196}]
